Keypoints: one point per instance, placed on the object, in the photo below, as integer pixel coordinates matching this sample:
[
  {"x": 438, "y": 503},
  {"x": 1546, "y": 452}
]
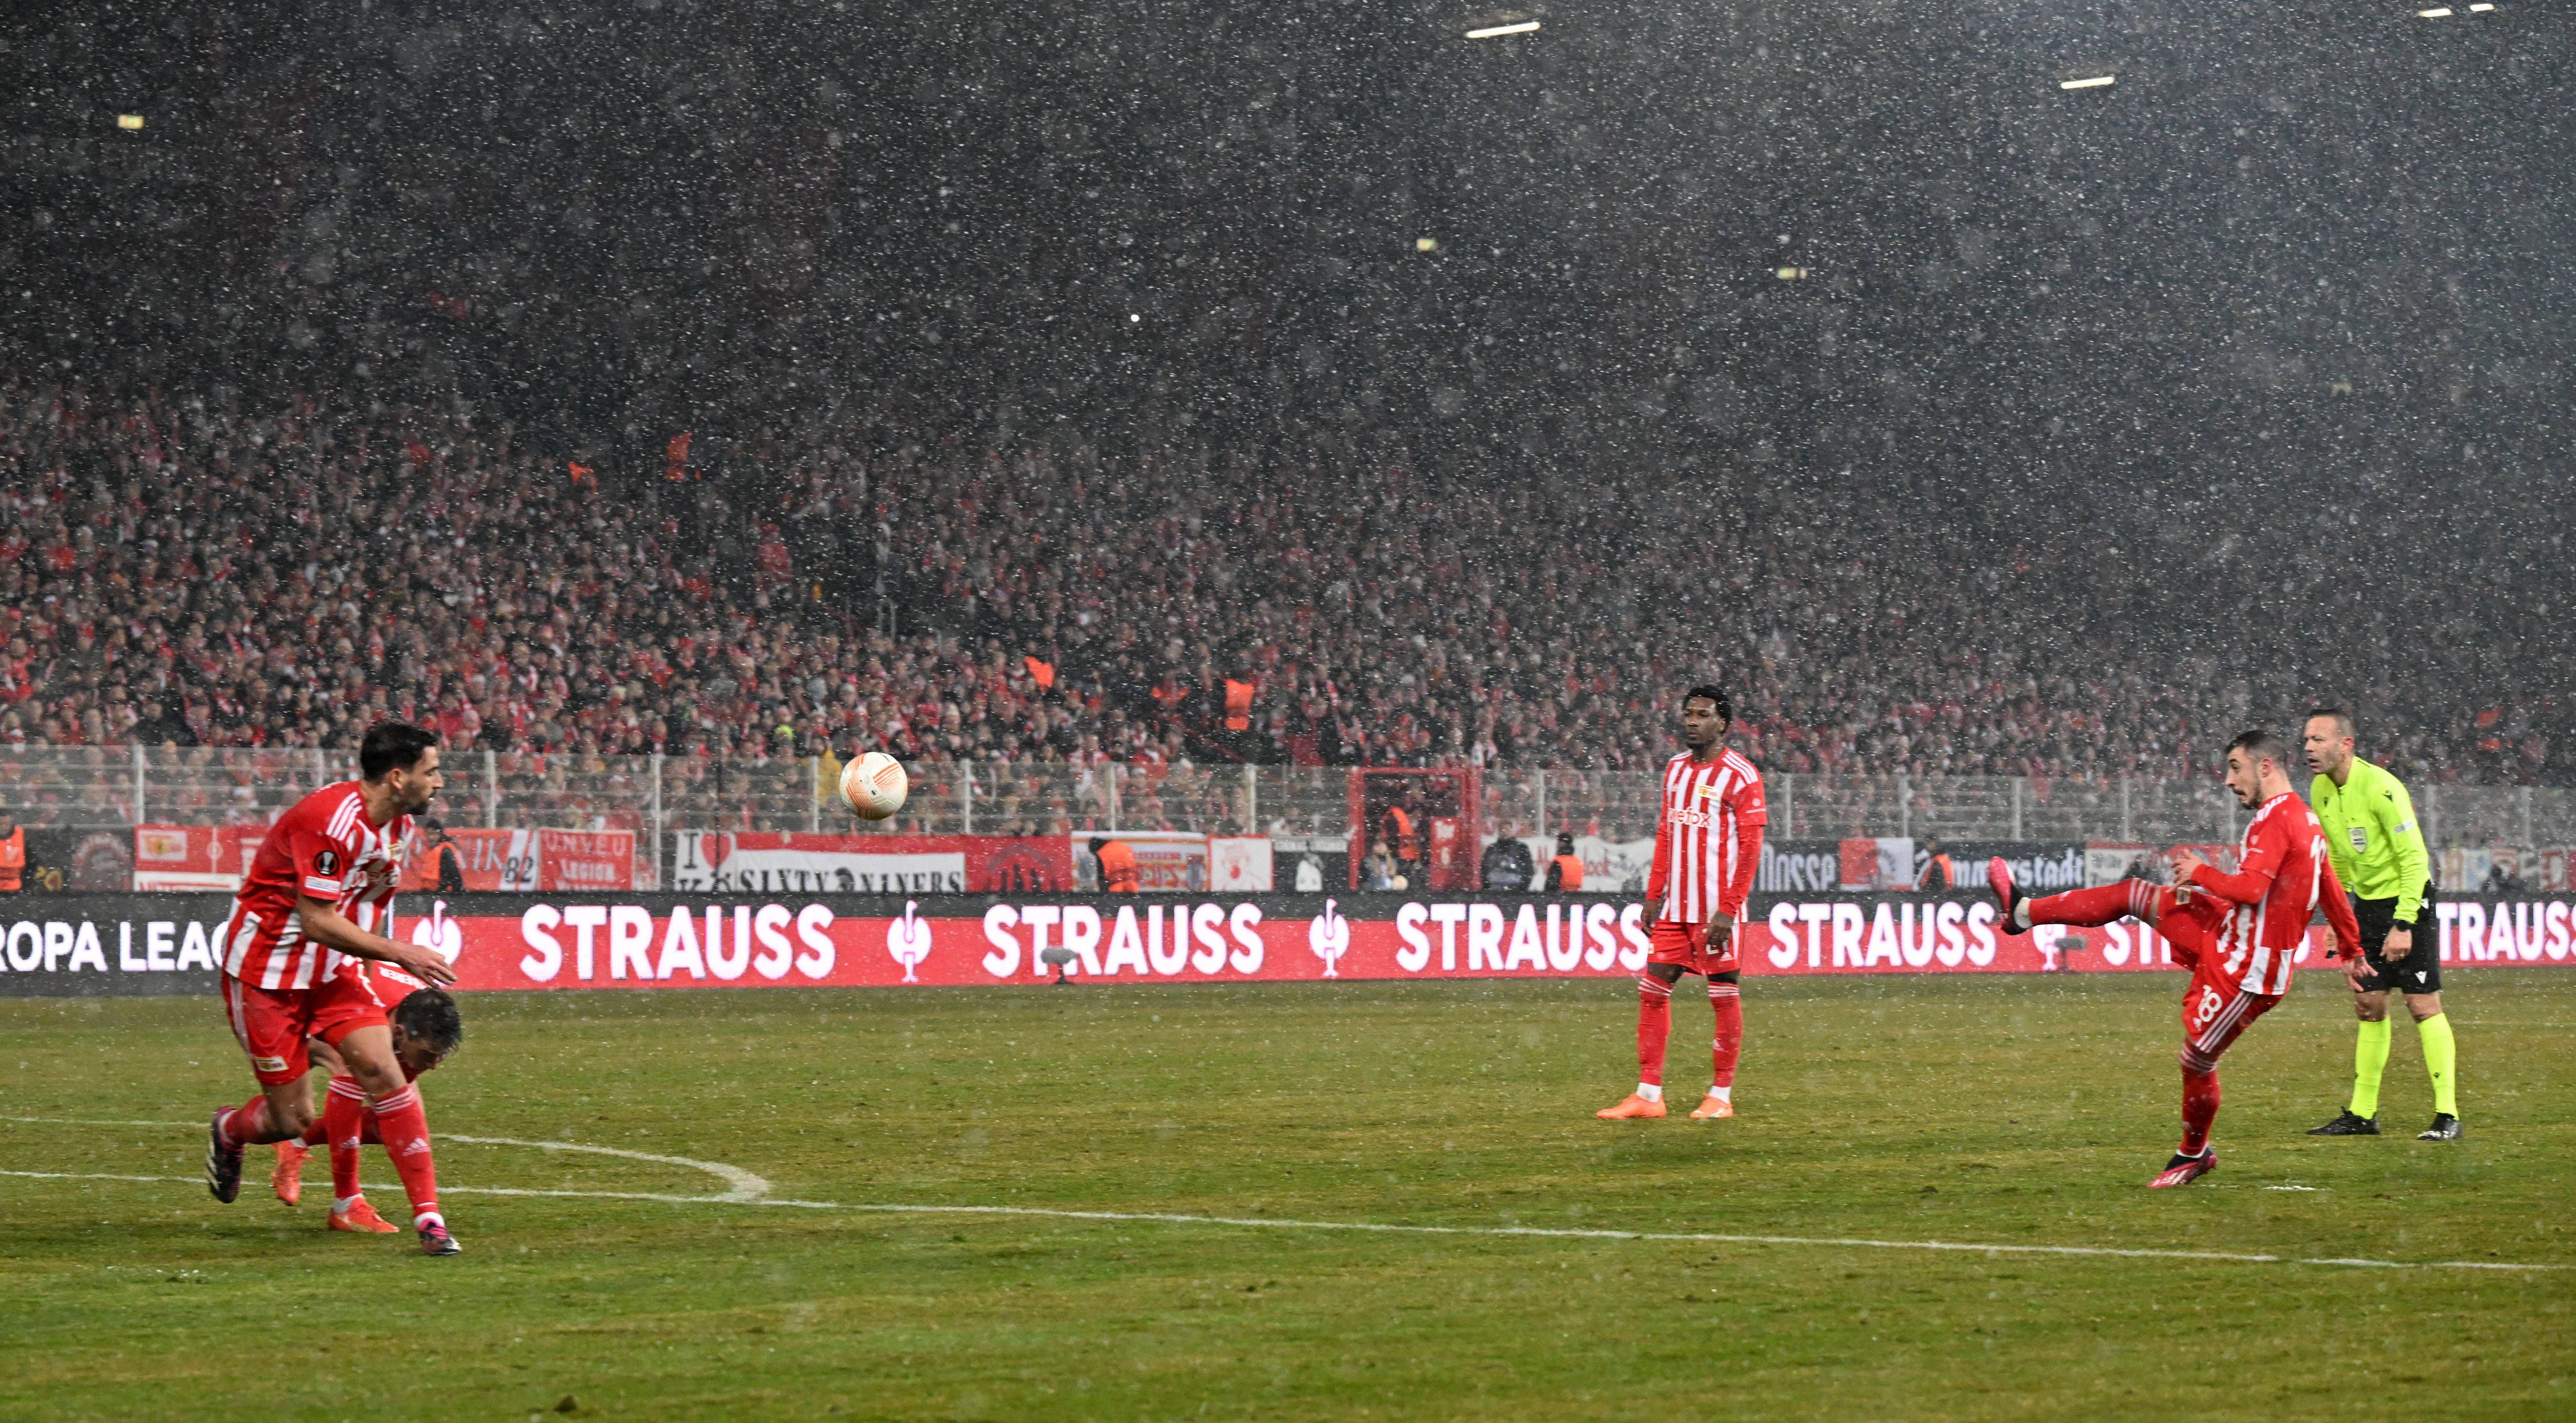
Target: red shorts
[
  {"x": 272, "y": 1023},
  {"x": 1685, "y": 947},
  {"x": 2216, "y": 1010},
  {"x": 2189, "y": 920}
]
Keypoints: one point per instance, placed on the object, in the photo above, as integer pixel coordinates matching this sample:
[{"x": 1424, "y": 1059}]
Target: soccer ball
[{"x": 874, "y": 785}]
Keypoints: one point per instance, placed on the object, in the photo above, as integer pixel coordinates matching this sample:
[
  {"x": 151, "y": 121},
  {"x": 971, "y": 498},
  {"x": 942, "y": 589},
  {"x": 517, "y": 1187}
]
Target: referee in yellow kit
[{"x": 2377, "y": 847}]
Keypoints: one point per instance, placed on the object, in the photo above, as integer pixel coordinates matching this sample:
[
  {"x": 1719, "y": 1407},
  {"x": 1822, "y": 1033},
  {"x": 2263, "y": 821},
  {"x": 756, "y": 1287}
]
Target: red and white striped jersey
[
  {"x": 1708, "y": 841},
  {"x": 325, "y": 847},
  {"x": 2282, "y": 878}
]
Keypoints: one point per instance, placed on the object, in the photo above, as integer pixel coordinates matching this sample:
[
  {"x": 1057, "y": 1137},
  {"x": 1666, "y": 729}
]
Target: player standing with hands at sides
[
  {"x": 1708, "y": 843},
  {"x": 291, "y": 968},
  {"x": 2377, "y": 847},
  {"x": 2238, "y": 933}
]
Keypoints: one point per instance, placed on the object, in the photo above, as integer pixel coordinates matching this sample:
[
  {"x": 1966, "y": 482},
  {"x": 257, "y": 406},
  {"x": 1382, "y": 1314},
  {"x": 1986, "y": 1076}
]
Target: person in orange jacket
[
  {"x": 1565, "y": 872},
  {"x": 1117, "y": 865},
  {"x": 13, "y": 854}
]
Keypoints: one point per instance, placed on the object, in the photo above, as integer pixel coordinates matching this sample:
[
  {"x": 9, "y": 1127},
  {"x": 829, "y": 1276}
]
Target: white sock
[
  {"x": 1650, "y": 1091},
  {"x": 2021, "y": 916},
  {"x": 340, "y": 1205},
  {"x": 426, "y": 1219},
  {"x": 1723, "y": 1094}
]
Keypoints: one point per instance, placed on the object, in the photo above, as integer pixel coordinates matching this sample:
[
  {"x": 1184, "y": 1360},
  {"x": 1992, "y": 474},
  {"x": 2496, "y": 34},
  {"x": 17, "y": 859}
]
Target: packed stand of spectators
[{"x": 173, "y": 571}]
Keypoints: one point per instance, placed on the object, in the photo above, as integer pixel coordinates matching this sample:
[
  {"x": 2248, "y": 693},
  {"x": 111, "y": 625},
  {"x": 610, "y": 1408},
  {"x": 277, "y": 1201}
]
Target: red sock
[
  {"x": 1730, "y": 1030},
  {"x": 2199, "y": 1109},
  {"x": 320, "y": 1131},
  {"x": 344, "y": 1120},
  {"x": 2133, "y": 898},
  {"x": 247, "y": 1124},
  {"x": 1654, "y": 1026},
  {"x": 405, "y": 1128}
]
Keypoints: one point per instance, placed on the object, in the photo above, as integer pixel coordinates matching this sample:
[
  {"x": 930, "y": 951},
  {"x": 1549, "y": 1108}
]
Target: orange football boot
[
  {"x": 363, "y": 1219},
  {"x": 288, "y": 1179},
  {"x": 1713, "y": 1107},
  {"x": 1634, "y": 1106}
]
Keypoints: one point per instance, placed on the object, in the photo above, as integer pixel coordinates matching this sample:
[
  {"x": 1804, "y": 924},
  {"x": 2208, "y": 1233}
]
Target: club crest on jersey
[{"x": 1708, "y": 792}]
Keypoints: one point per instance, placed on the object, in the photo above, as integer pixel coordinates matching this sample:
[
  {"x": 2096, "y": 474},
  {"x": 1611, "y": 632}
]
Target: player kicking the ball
[
  {"x": 291, "y": 968},
  {"x": 2238, "y": 933},
  {"x": 1708, "y": 842}
]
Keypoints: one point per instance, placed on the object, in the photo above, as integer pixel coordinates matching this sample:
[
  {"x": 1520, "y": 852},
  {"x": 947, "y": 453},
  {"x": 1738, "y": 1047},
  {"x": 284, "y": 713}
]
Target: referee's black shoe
[
  {"x": 2445, "y": 1127},
  {"x": 2348, "y": 1124}
]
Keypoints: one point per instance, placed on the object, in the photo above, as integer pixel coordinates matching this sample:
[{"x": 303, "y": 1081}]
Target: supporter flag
[
  {"x": 581, "y": 473},
  {"x": 1042, "y": 673},
  {"x": 1238, "y": 705},
  {"x": 675, "y": 456}
]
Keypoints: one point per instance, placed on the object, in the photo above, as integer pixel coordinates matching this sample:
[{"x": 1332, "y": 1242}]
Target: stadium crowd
[{"x": 177, "y": 570}]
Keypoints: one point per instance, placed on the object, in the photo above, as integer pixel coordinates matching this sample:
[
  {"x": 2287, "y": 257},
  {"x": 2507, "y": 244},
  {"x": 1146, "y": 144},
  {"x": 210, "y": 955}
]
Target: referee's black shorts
[{"x": 2421, "y": 970}]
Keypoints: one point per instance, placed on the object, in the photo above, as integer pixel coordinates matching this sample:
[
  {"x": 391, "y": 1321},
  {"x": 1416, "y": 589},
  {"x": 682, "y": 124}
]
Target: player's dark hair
[
  {"x": 428, "y": 1016},
  {"x": 1710, "y": 690},
  {"x": 2343, "y": 719},
  {"x": 2261, "y": 745},
  {"x": 392, "y": 746}
]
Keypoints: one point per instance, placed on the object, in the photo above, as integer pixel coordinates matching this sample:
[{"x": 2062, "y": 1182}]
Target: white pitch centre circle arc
[{"x": 741, "y": 1187}]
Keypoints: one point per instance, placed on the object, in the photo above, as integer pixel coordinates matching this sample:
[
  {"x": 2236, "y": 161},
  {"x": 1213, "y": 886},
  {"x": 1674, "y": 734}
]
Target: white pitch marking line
[
  {"x": 92, "y": 1176},
  {"x": 382, "y": 1186},
  {"x": 749, "y": 1189},
  {"x": 90, "y": 1122},
  {"x": 744, "y": 1187},
  {"x": 1699, "y": 1237}
]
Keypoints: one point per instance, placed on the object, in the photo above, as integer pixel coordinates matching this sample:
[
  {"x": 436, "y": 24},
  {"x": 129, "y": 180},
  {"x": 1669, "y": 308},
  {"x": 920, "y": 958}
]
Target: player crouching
[
  {"x": 291, "y": 955},
  {"x": 2238, "y": 933},
  {"x": 427, "y": 1030}
]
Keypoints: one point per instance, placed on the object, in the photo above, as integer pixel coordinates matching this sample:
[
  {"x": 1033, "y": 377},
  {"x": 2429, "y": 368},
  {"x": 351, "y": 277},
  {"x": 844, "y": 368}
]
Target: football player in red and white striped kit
[
  {"x": 291, "y": 964},
  {"x": 1708, "y": 844},
  {"x": 2238, "y": 933}
]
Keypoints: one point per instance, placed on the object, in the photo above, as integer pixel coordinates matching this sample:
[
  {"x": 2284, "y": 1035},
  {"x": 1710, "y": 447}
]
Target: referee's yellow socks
[
  {"x": 2441, "y": 1059},
  {"x": 2370, "y": 1059}
]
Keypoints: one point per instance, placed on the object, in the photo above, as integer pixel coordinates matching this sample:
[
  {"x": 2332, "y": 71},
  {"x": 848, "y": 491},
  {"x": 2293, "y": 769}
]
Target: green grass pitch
[{"x": 2003, "y": 1111}]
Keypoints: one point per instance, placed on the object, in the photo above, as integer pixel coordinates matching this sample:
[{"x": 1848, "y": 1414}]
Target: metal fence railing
[{"x": 105, "y": 787}]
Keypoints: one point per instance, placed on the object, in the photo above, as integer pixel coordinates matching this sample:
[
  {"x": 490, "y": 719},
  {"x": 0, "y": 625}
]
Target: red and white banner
[
  {"x": 1239, "y": 864},
  {"x": 775, "y": 863},
  {"x": 1167, "y": 861},
  {"x": 213, "y": 859},
  {"x": 503, "y": 860},
  {"x": 209, "y": 858},
  {"x": 585, "y": 861},
  {"x": 757, "y": 940}
]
